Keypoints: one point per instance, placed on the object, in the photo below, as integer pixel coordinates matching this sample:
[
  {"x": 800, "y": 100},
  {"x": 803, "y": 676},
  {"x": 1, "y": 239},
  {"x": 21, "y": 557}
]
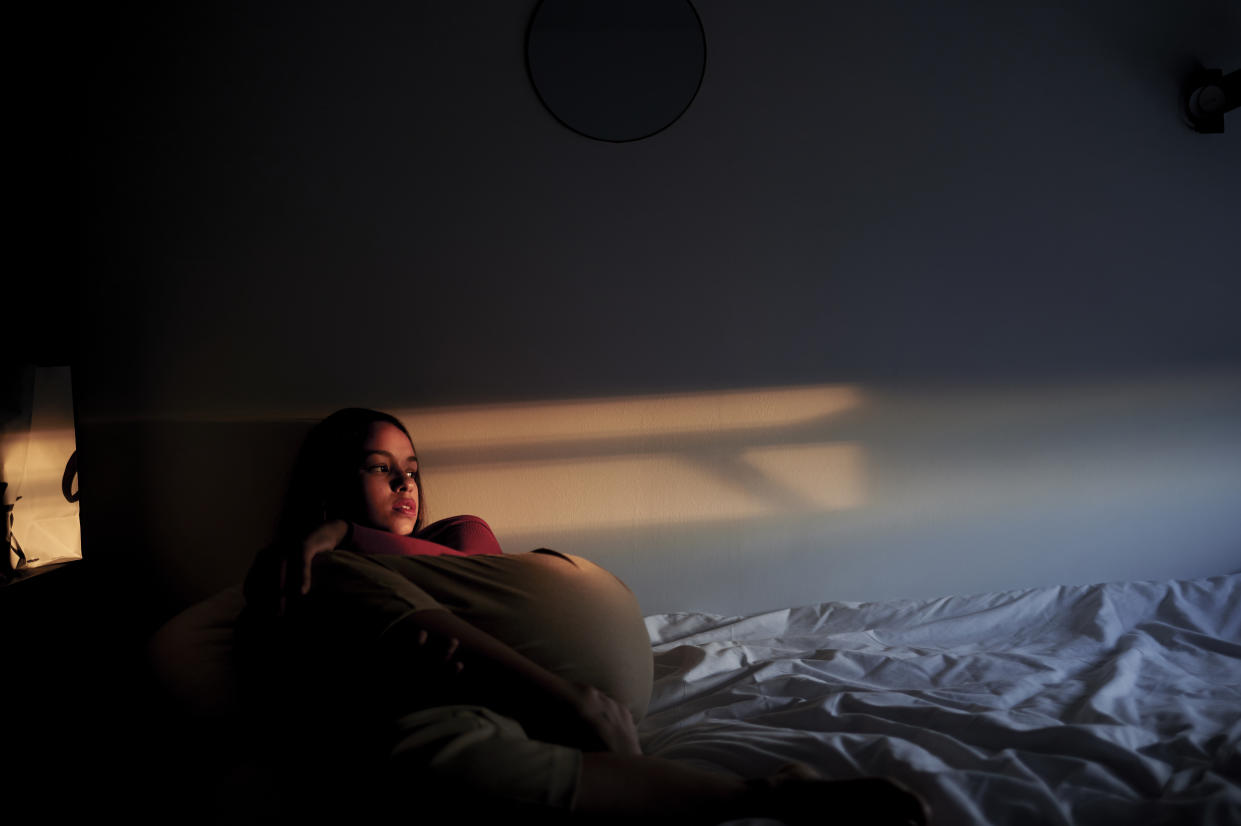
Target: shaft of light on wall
[{"x": 641, "y": 461}]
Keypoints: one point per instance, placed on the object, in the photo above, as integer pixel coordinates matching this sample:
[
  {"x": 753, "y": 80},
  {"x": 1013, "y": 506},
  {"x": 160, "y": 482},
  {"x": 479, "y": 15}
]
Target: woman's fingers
[
  {"x": 280, "y": 577},
  {"x": 451, "y": 649},
  {"x": 611, "y": 722},
  {"x": 326, "y": 537},
  {"x": 308, "y": 557},
  {"x": 448, "y": 647},
  {"x": 448, "y": 656}
]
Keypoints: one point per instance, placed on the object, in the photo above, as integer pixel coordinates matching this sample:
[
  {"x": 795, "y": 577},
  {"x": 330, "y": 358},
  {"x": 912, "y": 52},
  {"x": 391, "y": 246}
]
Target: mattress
[{"x": 1100, "y": 704}]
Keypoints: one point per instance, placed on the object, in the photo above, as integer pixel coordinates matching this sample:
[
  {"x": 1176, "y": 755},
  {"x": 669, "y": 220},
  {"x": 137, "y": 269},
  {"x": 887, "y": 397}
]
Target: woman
[{"x": 509, "y": 681}]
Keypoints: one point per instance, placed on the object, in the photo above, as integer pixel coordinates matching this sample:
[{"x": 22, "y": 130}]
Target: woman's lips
[{"x": 405, "y": 506}]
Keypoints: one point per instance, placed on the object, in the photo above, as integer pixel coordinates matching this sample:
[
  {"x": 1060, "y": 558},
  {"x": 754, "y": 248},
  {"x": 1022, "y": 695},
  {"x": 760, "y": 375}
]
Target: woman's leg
[
  {"x": 619, "y": 789},
  {"x": 470, "y": 760},
  {"x": 623, "y": 788},
  {"x": 609, "y": 786}
]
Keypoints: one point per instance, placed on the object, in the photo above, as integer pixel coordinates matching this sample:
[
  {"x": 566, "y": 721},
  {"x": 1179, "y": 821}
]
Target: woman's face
[{"x": 389, "y": 495}]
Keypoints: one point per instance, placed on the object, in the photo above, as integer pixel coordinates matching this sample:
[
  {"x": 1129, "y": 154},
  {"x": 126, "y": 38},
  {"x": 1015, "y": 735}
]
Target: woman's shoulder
[
  {"x": 461, "y": 520},
  {"x": 466, "y": 533}
]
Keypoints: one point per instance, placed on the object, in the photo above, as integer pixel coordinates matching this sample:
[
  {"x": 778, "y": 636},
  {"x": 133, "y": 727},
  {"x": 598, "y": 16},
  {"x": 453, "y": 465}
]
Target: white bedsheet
[{"x": 1104, "y": 704}]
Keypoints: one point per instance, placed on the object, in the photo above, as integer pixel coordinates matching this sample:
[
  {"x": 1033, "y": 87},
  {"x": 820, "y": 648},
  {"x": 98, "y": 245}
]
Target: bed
[
  {"x": 1102, "y": 704},
  {"x": 1115, "y": 703}
]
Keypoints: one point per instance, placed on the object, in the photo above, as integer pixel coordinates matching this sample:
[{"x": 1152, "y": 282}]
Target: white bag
[{"x": 38, "y": 464}]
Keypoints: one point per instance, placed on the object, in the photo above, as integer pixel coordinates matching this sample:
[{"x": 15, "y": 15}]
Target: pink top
[{"x": 455, "y": 536}]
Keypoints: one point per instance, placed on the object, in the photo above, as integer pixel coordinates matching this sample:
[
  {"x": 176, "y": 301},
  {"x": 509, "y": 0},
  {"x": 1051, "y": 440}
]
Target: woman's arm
[
  {"x": 282, "y": 570},
  {"x": 423, "y": 646},
  {"x": 548, "y": 706},
  {"x": 373, "y": 542},
  {"x": 492, "y": 673}
]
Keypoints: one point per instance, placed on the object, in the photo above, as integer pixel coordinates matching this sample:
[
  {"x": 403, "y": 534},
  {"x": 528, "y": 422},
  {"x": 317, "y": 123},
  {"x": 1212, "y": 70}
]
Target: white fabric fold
[{"x": 1115, "y": 703}]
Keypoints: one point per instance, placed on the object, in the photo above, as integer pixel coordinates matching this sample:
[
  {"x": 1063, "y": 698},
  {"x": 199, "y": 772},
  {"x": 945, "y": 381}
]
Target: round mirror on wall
[{"x": 616, "y": 70}]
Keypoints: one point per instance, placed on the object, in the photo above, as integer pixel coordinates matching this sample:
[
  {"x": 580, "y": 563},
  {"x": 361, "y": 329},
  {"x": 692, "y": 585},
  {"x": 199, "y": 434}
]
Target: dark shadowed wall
[{"x": 985, "y": 224}]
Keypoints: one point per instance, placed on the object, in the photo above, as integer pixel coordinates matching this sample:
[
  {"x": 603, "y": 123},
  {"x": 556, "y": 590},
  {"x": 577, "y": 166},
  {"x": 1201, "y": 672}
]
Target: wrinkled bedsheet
[{"x": 1102, "y": 704}]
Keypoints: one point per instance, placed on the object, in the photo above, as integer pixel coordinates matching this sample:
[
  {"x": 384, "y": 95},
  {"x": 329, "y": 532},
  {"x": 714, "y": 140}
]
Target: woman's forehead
[{"x": 388, "y": 438}]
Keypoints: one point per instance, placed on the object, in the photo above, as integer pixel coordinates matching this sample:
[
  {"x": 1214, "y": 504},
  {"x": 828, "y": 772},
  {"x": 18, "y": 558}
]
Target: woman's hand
[
  {"x": 282, "y": 571},
  {"x": 295, "y": 567},
  {"x": 605, "y": 722},
  {"x": 431, "y": 668},
  {"x": 547, "y": 705},
  {"x": 418, "y": 667}
]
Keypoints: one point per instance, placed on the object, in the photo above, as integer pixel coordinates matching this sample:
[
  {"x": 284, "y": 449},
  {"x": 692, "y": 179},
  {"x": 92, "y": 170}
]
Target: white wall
[
  {"x": 987, "y": 223},
  {"x": 766, "y": 498}
]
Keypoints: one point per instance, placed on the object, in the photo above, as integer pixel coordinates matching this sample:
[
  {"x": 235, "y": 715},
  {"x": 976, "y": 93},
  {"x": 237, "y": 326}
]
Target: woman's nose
[{"x": 401, "y": 481}]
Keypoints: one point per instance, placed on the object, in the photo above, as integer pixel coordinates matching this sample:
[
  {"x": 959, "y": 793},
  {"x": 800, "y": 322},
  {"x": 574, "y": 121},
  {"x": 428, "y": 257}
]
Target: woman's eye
[
  {"x": 377, "y": 468},
  {"x": 410, "y": 473}
]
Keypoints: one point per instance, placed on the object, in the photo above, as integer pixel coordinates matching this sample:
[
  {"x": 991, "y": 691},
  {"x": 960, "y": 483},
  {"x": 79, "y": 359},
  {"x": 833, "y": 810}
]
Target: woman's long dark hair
[
  {"x": 273, "y": 664},
  {"x": 324, "y": 482}
]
